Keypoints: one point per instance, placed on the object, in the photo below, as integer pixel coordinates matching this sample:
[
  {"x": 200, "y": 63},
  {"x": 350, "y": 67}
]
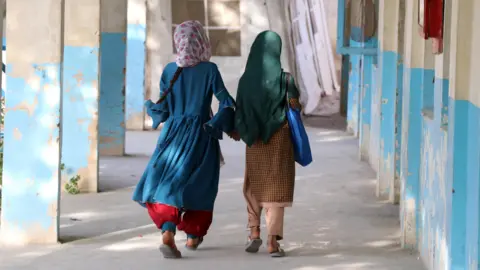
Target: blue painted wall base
[
  {"x": 80, "y": 116},
  {"x": 112, "y": 94},
  {"x": 135, "y": 113},
  {"x": 388, "y": 186},
  {"x": 31, "y": 173}
]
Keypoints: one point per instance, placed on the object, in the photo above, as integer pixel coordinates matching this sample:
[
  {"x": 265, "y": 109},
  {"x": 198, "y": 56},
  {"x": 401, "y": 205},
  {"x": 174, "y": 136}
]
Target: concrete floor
[{"x": 336, "y": 221}]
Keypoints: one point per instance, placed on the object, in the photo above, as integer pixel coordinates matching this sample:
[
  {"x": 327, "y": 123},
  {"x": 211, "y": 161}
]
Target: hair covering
[
  {"x": 260, "y": 95},
  {"x": 192, "y": 44}
]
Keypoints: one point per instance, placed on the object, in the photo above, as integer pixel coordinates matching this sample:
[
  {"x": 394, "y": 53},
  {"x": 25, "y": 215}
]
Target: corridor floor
[{"x": 336, "y": 221}]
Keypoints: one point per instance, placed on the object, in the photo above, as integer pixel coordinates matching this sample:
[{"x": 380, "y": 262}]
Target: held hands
[{"x": 294, "y": 103}]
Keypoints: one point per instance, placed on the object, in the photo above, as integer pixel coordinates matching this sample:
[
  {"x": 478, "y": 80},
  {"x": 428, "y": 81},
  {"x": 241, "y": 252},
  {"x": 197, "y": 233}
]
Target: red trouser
[{"x": 192, "y": 222}]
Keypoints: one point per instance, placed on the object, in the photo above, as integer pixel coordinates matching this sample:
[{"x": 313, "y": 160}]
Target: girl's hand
[{"x": 294, "y": 104}]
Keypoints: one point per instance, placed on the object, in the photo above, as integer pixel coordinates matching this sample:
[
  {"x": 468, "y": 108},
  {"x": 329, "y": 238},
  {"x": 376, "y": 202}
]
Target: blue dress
[{"x": 185, "y": 167}]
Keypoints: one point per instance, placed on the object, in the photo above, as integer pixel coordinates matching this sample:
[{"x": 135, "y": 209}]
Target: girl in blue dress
[{"x": 180, "y": 183}]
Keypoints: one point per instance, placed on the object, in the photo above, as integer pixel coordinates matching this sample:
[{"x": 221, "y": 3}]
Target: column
[
  {"x": 412, "y": 128},
  {"x": 358, "y": 30},
  {"x": 159, "y": 43},
  {"x": 136, "y": 53},
  {"x": 354, "y": 83},
  {"x": 31, "y": 166},
  {"x": 463, "y": 145},
  {"x": 80, "y": 98},
  {"x": 388, "y": 186},
  {"x": 396, "y": 184},
  {"x": 472, "y": 246},
  {"x": 111, "y": 124},
  {"x": 3, "y": 7},
  {"x": 368, "y": 64}
]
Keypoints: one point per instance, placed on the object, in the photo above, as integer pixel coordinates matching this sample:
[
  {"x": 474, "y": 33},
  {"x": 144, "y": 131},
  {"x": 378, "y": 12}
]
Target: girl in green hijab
[{"x": 261, "y": 123}]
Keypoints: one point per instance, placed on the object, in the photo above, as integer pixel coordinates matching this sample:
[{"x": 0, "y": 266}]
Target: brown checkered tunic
[{"x": 270, "y": 169}]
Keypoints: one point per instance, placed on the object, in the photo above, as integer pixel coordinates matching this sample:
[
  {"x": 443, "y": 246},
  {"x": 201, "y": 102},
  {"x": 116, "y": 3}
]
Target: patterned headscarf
[{"x": 192, "y": 44}]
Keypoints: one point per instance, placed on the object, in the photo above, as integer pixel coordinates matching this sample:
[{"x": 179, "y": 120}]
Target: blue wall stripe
[
  {"x": 80, "y": 111},
  {"x": 457, "y": 149},
  {"x": 473, "y": 186},
  {"x": 366, "y": 100},
  {"x": 398, "y": 119},
  {"x": 31, "y": 172},
  {"x": 428, "y": 93},
  {"x": 410, "y": 154},
  {"x": 136, "y": 34},
  {"x": 354, "y": 82},
  {"x": 389, "y": 69},
  {"x": 112, "y": 93}
]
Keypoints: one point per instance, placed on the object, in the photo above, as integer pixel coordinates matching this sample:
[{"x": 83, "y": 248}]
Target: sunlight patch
[
  {"x": 15, "y": 187},
  {"x": 51, "y": 155},
  {"x": 52, "y": 94},
  {"x": 130, "y": 246},
  {"x": 47, "y": 120},
  {"x": 381, "y": 243},
  {"x": 49, "y": 191},
  {"x": 89, "y": 92},
  {"x": 334, "y": 139}
]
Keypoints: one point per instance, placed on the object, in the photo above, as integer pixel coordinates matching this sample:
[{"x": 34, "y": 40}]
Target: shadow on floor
[
  {"x": 331, "y": 122},
  {"x": 336, "y": 222}
]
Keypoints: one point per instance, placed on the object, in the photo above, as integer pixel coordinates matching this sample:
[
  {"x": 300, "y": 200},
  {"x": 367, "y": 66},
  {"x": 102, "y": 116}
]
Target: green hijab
[{"x": 260, "y": 96}]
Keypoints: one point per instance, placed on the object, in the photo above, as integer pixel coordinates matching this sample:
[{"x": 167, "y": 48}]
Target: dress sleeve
[
  {"x": 159, "y": 112},
  {"x": 224, "y": 120},
  {"x": 293, "y": 94}
]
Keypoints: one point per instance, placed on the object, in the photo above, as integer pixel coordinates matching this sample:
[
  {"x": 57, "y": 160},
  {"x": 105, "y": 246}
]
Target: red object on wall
[{"x": 430, "y": 21}]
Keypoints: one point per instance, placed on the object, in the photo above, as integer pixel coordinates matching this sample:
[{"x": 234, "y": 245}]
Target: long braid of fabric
[{"x": 170, "y": 87}]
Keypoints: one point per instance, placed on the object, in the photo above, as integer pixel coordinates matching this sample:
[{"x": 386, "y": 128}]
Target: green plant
[{"x": 72, "y": 185}]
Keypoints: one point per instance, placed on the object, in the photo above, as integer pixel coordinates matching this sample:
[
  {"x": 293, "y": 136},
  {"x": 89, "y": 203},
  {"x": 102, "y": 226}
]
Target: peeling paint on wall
[
  {"x": 366, "y": 101},
  {"x": 410, "y": 155},
  {"x": 354, "y": 91},
  {"x": 387, "y": 187},
  {"x": 30, "y": 191},
  {"x": 80, "y": 116},
  {"x": 375, "y": 121}
]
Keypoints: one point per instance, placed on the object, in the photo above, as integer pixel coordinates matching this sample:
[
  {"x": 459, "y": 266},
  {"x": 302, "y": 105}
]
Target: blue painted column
[
  {"x": 366, "y": 100},
  {"x": 2, "y": 55},
  {"x": 354, "y": 86},
  {"x": 463, "y": 140},
  {"x": 472, "y": 245},
  {"x": 457, "y": 174},
  {"x": 411, "y": 129},
  {"x": 81, "y": 91},
  {"x": 31, "y": 166},
  {"x": 396, "y": 184},
  {"x": 136, "y": 52},
  {"x": 388, "y": 186},
  {"x": 111, "y": 118},
  {"x": 375, "y": 117}
]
